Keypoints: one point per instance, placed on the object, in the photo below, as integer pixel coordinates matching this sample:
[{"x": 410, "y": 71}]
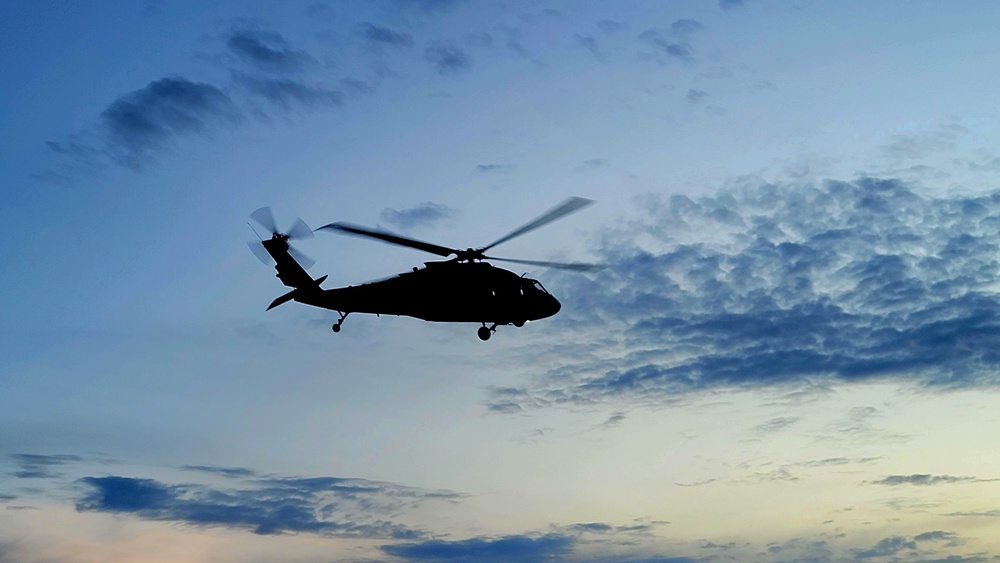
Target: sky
[{"x": 793, "y": 354}]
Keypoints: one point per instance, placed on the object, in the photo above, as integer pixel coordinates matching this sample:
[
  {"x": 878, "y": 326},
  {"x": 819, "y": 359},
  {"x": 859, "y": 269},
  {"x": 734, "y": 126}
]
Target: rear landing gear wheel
[
  {"x": 336, "y": 327},
  {"x": 484, "y": 333},
  {"x": 518, "y": 323}
]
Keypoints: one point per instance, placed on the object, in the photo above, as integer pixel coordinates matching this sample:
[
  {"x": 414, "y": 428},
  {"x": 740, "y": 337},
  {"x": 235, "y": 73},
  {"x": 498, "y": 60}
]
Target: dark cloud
[
  {"x": 775, "y": 424},
  {"x": 832, "y": 461},
  {"x": 596, "y": 163},
  {"x": 267, "y": 51},
  {"x": 696, "y": 96},
  {"x": 937, "y": 535},
  {"x": 589, "y": 43},
  {"x": 429, "y": 7},
  {"x": 886, "y": 547},
  {"x": 319, "y": 505},
  {"x": 448, "y": 58},
  {"x": 924, "y": 479},
  {"x": 233, "y": 472},
  {"x": 730, "y": 4},
  {"x": 423, "y": 215},
  {"x": 507, "y": 548},
  {"x": 686, "y": 28},
  {"x": 917, "y": 146},
  {"x": 488, "y": 168},
  {"x": 378, "y": 35},
  {"x": 289, "y": 94},
  {"x": 148, "y": 120},
  {"x": 40, "y": 466},
  {"x": 790, "y": 285},
  {"x": 609, "y": 27},
  {"x": 613, "y": 421}
]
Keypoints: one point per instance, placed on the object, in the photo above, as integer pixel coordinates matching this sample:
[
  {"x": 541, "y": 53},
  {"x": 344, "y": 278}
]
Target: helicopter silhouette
[{"x": 465, "y": 288}]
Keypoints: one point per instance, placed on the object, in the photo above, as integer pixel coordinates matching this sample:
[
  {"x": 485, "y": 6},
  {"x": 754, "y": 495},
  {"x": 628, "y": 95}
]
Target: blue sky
[{"x": 791, "y": 356}]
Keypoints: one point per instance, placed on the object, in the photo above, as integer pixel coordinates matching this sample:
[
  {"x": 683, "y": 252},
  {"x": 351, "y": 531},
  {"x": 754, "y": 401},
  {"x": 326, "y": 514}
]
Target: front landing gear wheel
[{"x": 484, "y": 333}]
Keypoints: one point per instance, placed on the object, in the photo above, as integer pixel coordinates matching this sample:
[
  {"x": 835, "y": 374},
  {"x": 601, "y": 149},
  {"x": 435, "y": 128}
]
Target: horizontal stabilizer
[{"x": 283, "y": 299}]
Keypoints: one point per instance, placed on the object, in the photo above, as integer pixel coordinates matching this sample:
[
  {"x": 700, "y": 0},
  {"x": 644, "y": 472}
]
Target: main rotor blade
[
  {"x": 572, "y": 266},
  {"x": 389, "y": 237},
  {"x": 299, "y": 230},
  {"x": 303, "y": 260},
  {"x": 565, "y": 208},
  {"x": 258, "y": 250},
  {"x": 265, "y": 218}
]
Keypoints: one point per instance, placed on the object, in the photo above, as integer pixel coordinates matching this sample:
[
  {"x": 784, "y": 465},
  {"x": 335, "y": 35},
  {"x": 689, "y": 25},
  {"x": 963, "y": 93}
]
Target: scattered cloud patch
[
  {"x": 730, "y": 4},
  {"x": 609, "y": 27},
  {"x": 512, "y": 548},
  {"x": 447, "y": 58},
  {"x": 784, "y": 286},
  {"x": 232, "y": 472},
  {"x": 378, "y": 35},
  {"x": 589, "y": 43},
  {"x": 423, "y": 215},
  {"x": 613, "y": 421},
  {"x": 288, "y": 93},
  {"x": 318, "y": 505},
  {"x": 917, "y": 146},
  {"x": 148, "y": 120},
  {"x": 493, "y": 168},
  {"x": 675, "y": 43},
  {"x": 924, "y": 479},
  {"x": 775, "y": 425},
  {"x": 886, "y": 547},
  {"x": 40, "y": 466},
  {"x": 267, "y": 51},
  {"x": 596, "y": 163},
  {"x": 696, "y": 96}
]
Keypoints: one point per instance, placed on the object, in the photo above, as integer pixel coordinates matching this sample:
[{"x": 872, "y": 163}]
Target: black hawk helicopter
[{"x": 462, "y": 289}]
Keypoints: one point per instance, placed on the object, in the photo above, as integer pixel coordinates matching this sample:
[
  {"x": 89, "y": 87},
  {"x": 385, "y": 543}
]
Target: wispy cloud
[
  {"x": 150, "y": 119},
  {"x": 775, "y": 425},
  {"x": 448, "y": 58},
  {"x": 505, "y": 548},
  {"x": 273, "y": 505},
  {"x": 783, "y": 285},
  {"x": 925, "y": 479},
  {"x": 377, "y": 35},
  {"x": 267, "y": 51},
  {"x": 41, "y": 466},
  {"x": 423, "y": 215},
  {"x": 493, "y": 168}
]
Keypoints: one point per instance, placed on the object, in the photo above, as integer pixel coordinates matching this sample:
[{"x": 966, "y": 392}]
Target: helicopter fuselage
[{"x": 449, "y": 291}]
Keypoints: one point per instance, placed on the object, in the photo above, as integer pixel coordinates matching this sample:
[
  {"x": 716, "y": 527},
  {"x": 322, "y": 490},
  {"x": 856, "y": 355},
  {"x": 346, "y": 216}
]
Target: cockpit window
[{"x": 538, "y": 285}]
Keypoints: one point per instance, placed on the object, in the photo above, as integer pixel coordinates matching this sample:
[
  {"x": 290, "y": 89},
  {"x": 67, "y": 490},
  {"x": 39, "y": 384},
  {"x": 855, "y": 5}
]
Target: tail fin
[{"x": 290, "y": 272}]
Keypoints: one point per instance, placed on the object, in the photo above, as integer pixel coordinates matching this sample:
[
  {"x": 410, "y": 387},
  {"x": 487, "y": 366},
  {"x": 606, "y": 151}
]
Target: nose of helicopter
[{"x": 552, "y": 306}]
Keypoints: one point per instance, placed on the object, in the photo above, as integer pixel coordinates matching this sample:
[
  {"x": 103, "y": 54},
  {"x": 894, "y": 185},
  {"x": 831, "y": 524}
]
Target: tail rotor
[{"x": 298, "y": 231}]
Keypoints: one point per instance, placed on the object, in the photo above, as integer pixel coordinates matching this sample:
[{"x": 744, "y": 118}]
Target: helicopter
[{"x": 464, "y": 288}]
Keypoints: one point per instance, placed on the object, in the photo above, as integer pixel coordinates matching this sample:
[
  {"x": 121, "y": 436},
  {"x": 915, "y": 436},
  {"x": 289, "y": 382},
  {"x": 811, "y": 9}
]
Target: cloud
[
  {"x": 925, "y": 479},
  {"x": 676, "y": 43},
  {"x": 596, "y": 163},
  {"x": 730, "y": 4},
  {"x": 696, "y": 96},
  {"x": 423, "y": 215},
  {"x": 377, "y": 35},
  {"x": 150, "y": 119},
  {"x": 506, "y": 548},
  {"x": 589, "y": 43},
  {"x": 288, "y": 93},
  {"x": 886, "y": 547},
  {"x": 775, "y": 424},
  {"x": 267, "y": 51},
  {"x": 491, "y": 168},
  {"x": 319, "y": 505},
  {"x": 234, "y": 472},
  {"x": 448, "y": 58},
  {"x": 781, "y": 285},
  {"x": 39, "y": 466},
  {"x": 613, "y": 421},
  {"x": 609, "y": 27},
  {"x": 918, "y": 146},
  {"x": 428, "y": 7}
]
